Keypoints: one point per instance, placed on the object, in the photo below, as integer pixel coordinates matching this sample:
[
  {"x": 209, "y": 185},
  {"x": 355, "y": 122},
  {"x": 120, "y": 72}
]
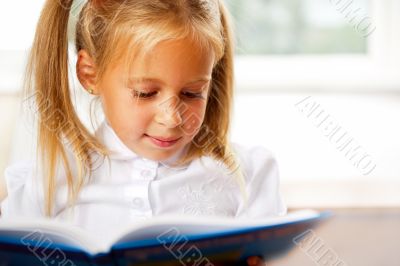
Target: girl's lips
[{"x": 163, "y": 142}]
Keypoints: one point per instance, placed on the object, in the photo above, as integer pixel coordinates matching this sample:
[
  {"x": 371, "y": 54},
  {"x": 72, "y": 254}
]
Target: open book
[{"x": 161, "y": 240}]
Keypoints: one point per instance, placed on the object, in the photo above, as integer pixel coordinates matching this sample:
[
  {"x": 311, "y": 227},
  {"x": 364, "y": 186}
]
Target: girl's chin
[
  {"x": 168, "y": 156},
  {"x": 162, "y": 154}
]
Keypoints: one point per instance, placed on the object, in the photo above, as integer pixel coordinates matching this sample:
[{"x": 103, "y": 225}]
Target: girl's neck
[{"x": 170, "y": 162}]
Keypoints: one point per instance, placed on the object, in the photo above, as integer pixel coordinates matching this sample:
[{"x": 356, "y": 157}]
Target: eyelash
[
  {"x": 146, "y": 95},
  {"x": 139, "y": 94}
]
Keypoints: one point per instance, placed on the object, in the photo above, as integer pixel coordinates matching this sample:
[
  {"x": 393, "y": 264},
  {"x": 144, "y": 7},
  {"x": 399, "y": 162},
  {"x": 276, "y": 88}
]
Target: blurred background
[{"x": 317, "y": 83}]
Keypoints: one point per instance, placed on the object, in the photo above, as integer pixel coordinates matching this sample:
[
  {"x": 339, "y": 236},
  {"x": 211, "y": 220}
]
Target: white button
[{"x": 137, "y": 203}]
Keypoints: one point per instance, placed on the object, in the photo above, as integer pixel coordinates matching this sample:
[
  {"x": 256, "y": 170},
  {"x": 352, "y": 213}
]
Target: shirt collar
[{"x": 119, "y": 151}]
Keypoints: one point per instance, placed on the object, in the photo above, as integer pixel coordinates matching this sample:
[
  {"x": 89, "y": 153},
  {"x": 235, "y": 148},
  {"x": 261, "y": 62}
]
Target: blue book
[{"x": 164, "y": 240}]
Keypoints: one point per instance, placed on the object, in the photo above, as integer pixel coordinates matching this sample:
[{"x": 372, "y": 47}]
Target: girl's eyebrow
[{"x": 159, "y": 81}]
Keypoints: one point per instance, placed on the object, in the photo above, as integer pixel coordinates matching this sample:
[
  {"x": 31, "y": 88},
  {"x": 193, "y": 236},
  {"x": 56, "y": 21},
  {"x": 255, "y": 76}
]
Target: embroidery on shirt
[{"x": 212, "y": 198}]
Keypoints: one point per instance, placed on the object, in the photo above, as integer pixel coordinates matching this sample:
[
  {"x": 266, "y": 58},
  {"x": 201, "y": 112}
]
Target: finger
[{"x": 254, "y": 261}]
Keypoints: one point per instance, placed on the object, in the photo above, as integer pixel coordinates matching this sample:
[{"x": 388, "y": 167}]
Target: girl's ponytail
[
  {"x": 59, "y": 129},
  {"x": 223, "y": 75},
  {"x": 225, "y": 71}
]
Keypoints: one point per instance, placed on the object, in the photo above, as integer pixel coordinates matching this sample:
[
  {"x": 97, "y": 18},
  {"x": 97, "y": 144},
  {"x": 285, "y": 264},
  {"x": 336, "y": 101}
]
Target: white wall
[
  {"x": 18, "y": 22},
  {"x": 274, "y": 121}
]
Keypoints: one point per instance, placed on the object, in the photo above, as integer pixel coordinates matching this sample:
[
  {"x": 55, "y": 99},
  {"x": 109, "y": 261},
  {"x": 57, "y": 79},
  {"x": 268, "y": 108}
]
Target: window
[
  {"x": 328, "y": 45},
  {"x": 301, "y": 27}
]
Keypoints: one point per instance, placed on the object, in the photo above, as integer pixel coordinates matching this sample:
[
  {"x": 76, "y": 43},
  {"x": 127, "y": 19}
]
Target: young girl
[{"x": 163, "y": 72}]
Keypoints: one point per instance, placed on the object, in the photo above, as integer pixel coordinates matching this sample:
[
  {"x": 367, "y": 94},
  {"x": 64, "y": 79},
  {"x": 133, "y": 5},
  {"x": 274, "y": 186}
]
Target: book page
[
  {"x": 190, "y": 225},
  {"x": 57, "y": 232}
]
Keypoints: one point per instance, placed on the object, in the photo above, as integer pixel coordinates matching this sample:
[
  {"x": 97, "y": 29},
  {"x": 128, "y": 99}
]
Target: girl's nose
[{"x": 168, "y": 113}]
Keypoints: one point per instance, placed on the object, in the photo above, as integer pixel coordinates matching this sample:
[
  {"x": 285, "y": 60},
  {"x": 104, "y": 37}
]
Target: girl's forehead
[
  {"x": 179, "y": 54},
  {"x": 182, "y": 48}
]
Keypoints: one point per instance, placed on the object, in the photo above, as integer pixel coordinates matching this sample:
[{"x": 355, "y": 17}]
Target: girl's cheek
[{"x": 192, "y": 121}]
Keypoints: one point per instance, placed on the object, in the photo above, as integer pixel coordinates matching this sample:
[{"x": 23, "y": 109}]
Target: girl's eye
[
  {"x": 193, "y": 94},
  {"x": 145, "y": 95},
  {"x": 140, "y": 94}
]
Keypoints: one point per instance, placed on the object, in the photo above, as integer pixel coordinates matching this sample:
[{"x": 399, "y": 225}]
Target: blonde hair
[{"x": 109, "y": 30}]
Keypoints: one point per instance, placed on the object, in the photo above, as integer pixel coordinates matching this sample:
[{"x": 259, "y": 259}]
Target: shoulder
[
  {"x": 22, "y": 190},
  {"x": 255, "y": 160},
  {"x": 17, "y": 174},
  {"x": 261, "y": 172}
]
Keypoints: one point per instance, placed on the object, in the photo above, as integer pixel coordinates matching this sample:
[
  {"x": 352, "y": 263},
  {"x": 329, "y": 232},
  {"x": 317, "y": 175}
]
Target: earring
[{"x": 90, "y": 91}]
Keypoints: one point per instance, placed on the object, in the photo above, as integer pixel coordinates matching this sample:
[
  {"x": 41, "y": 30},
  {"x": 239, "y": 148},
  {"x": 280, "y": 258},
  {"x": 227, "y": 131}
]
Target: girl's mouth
[{"x": 163, "y": 142}]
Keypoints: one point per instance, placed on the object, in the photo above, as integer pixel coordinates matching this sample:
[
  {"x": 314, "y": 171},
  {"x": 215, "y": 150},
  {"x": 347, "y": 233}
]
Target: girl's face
[{"x": 160, "y": 110}]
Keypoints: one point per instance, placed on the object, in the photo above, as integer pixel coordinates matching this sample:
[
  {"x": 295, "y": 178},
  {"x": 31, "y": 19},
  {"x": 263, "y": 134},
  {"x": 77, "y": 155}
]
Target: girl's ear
[{"x": 86, "y": 71}]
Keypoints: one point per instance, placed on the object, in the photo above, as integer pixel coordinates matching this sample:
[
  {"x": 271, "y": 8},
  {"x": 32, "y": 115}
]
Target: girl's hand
[{"x": 255, "y": 261}]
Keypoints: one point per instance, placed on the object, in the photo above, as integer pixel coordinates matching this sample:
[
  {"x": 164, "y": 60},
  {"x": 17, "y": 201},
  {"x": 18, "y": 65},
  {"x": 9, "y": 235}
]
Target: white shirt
[{"x": 128, "y": 188}]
